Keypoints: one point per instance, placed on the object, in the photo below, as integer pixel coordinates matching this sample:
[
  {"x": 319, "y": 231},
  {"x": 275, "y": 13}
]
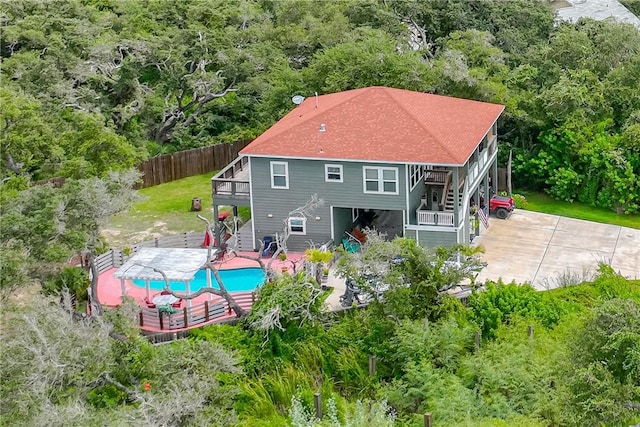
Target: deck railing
[
  {"x": 233, "y": 180},
  {"x": 436, "y": 176},
  {"x": 154, "y": 319},
  {"x": 434, "y": 218}
]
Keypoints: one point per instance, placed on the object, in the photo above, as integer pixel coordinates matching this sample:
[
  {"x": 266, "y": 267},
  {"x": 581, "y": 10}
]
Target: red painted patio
[{"x": 109, "y": 289}]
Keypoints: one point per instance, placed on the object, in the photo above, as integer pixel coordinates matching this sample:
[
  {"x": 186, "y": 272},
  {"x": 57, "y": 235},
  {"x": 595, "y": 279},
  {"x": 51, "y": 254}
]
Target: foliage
[
  {"x": 500, "y": 303},
  {"x": 286, "y": 303},
  {"x": 52, "y": 225},
  {"x": 14, "y": 272},
  {"x": 71, "y": 279},
  {"x": 67, "y": 370},
  {"x": 375, "y": 414},
  {"x": 542, "y": 202},
  {"x": 412, "y": 273}
]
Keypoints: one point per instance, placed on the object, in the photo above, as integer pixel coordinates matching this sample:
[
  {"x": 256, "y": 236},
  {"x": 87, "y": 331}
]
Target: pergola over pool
[{"x": 178, "y": 264}]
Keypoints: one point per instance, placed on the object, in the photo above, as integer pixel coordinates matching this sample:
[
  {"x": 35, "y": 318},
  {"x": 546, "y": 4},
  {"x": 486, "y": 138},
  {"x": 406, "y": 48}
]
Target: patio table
[{"x": 164, "y": 299}]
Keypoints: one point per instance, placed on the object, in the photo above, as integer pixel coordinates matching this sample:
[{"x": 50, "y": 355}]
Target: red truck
[{"x": 501, "y": 206}]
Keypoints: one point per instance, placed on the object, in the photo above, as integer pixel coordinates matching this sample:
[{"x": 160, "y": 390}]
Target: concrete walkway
[{"x": 541, "y": 249}]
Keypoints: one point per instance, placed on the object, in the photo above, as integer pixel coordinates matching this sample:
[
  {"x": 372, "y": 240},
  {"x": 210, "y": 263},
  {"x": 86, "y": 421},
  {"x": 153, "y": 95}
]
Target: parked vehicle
[{"x": 501, "y": 206}]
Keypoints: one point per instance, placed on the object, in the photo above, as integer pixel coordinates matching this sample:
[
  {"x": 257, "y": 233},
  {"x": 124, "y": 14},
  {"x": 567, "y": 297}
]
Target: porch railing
[
  {"x": 436, "y": 176},
  {"x": 233, "y": 180},
  {"x": 153, "y": 319},
  {"x": 434, "y": 218}
]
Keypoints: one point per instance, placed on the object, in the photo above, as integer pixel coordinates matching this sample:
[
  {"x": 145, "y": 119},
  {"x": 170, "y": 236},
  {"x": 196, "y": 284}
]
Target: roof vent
[{"x": 323, "y": 128}]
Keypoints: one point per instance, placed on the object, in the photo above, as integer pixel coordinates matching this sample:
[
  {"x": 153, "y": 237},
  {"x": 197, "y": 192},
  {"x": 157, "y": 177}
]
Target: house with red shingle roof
[{"x": 406, "y": 163}]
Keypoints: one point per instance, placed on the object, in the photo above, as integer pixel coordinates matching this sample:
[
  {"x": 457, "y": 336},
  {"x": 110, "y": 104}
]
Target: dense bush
[{"x": 500, "y": 303}]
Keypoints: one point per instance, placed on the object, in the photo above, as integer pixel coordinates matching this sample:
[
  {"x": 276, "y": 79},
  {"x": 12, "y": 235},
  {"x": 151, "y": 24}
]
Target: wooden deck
[
  {"x": 233, "y": 181},
  {"x": 204, "y": 310}
]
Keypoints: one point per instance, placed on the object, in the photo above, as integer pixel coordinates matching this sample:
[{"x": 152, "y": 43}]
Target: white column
[
  {"x": 209, "y": 284},
  {"x": 148, "y": 286},
  {"x": 121, "y": 290},
  {"x": 188, "y": 293}
]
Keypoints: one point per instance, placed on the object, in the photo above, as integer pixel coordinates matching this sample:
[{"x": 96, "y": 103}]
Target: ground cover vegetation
[{"x": 580, "y": 365}]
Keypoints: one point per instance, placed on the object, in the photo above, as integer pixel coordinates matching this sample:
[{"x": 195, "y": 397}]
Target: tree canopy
[{"x": 89, "y": 86}]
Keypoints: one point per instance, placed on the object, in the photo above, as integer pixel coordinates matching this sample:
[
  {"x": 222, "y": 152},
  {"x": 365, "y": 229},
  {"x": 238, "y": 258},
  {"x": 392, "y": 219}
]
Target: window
[
  {"x": 416, "y": 174},
  {"x": 333, "y": 173},
  {"x": 297, "y": 225},
  {"x": 279, "y": 175},
  {"x": 380, "y": 180}
]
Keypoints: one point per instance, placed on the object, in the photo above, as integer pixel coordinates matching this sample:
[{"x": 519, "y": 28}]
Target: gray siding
[
  {"x": 431, "y": 239},
  {"x": 307, "y": 177}
]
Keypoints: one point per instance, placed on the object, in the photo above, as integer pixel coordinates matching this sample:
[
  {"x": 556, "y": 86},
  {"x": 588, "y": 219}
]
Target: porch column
[
  {"x": 456, "y": 198},
  {"x": 494, "y": 178},
  {"x": 487, "y": 194},
  {"x": 216, "y": 225},
  {"x": 476, "y": 222}
]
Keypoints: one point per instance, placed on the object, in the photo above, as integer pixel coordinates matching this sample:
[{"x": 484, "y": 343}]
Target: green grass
[
  {"x": 540, "y": 202},
  {"x": 165, "y": 210}
]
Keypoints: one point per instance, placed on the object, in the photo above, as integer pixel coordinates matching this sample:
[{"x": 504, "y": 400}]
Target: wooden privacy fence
[{"x": 167, "y": 168}]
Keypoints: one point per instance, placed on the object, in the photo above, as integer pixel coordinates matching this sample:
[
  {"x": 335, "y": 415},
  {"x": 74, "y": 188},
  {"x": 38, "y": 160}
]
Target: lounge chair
[
  {"x": 149, "y": 303},
  {"x": 351, "y": 247}
]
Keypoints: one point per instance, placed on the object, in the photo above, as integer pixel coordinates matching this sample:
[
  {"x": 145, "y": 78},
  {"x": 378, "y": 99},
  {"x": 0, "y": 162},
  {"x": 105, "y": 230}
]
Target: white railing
[
  {"x": 233, "y": 180},
  {"x": 483, "y": 158},
  {"x": 473, "y": 173},
  {"x": 434, "y": 218}
]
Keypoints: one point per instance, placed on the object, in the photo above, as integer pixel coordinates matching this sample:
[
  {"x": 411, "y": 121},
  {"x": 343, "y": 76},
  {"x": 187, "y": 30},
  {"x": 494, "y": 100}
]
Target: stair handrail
[{"x": 447, "y": 182}]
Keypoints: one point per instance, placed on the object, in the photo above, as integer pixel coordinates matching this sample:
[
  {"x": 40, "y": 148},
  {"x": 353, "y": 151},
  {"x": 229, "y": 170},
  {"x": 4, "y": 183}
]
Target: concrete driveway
[{"x": 541, "y": 249}]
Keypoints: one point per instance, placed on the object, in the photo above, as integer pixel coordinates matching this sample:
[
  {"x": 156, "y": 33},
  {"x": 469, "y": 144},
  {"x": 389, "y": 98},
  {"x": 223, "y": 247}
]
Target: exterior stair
[{"x": 449, "y": 205}]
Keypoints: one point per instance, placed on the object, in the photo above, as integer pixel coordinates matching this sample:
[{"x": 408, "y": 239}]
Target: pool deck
[{"x": 110, "y": 293}]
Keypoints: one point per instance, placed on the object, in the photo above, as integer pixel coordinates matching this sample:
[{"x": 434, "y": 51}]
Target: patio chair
[
  {"x": 351, "y": 247},
  {"x": 177, "y": 304},
  {"x": 148, "y": 302}
]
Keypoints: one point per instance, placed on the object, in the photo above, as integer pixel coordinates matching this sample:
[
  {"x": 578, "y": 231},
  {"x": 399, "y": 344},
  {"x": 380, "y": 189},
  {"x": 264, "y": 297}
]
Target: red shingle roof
[{"x": 380, "y": 124}]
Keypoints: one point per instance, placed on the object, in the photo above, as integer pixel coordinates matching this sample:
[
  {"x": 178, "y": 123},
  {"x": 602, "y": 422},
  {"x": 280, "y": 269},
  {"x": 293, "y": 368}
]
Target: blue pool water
[{"x": 236, "y": 280}]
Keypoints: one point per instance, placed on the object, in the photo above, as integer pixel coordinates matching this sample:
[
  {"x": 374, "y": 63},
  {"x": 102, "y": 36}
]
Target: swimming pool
[{"x": 236, "y": 280}]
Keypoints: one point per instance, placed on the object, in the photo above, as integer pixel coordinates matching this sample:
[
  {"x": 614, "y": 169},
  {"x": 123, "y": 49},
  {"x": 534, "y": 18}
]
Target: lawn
[
  {"x": 540, "y": 202},
  {"x": 165, "y": 210}
]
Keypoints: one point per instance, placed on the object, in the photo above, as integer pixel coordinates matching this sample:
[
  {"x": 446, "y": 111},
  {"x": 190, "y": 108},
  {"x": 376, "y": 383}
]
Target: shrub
[{"x": 500, "y": 302}]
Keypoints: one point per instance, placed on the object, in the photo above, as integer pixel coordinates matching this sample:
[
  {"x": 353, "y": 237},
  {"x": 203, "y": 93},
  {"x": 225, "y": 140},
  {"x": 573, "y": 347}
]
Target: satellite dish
[{"x": 297, "y": 99}]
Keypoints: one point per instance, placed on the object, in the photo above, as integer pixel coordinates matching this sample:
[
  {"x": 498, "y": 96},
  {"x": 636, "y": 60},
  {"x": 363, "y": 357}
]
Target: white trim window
[
  {"x": 379, "y": 180},
  {"x": 297, "y": 225},
  {"x": 416, "y": 174},
  {"x": 333, "y": 173},
  {"x": 280, "y": 175}
]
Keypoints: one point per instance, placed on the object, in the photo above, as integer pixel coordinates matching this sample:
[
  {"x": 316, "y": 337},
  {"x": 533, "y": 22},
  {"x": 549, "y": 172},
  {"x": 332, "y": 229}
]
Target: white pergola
[{"x": 178, "y": 264}]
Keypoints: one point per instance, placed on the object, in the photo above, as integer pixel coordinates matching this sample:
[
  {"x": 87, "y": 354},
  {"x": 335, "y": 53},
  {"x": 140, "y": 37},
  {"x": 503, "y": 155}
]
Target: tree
[
  {"x": 53, "y": 225},
  {"x": 409, "y": 271},
  {"x": 65, "y": 371}
]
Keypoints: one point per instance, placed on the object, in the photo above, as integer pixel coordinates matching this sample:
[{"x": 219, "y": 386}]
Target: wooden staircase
[{"x": 449, "y": 201}]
